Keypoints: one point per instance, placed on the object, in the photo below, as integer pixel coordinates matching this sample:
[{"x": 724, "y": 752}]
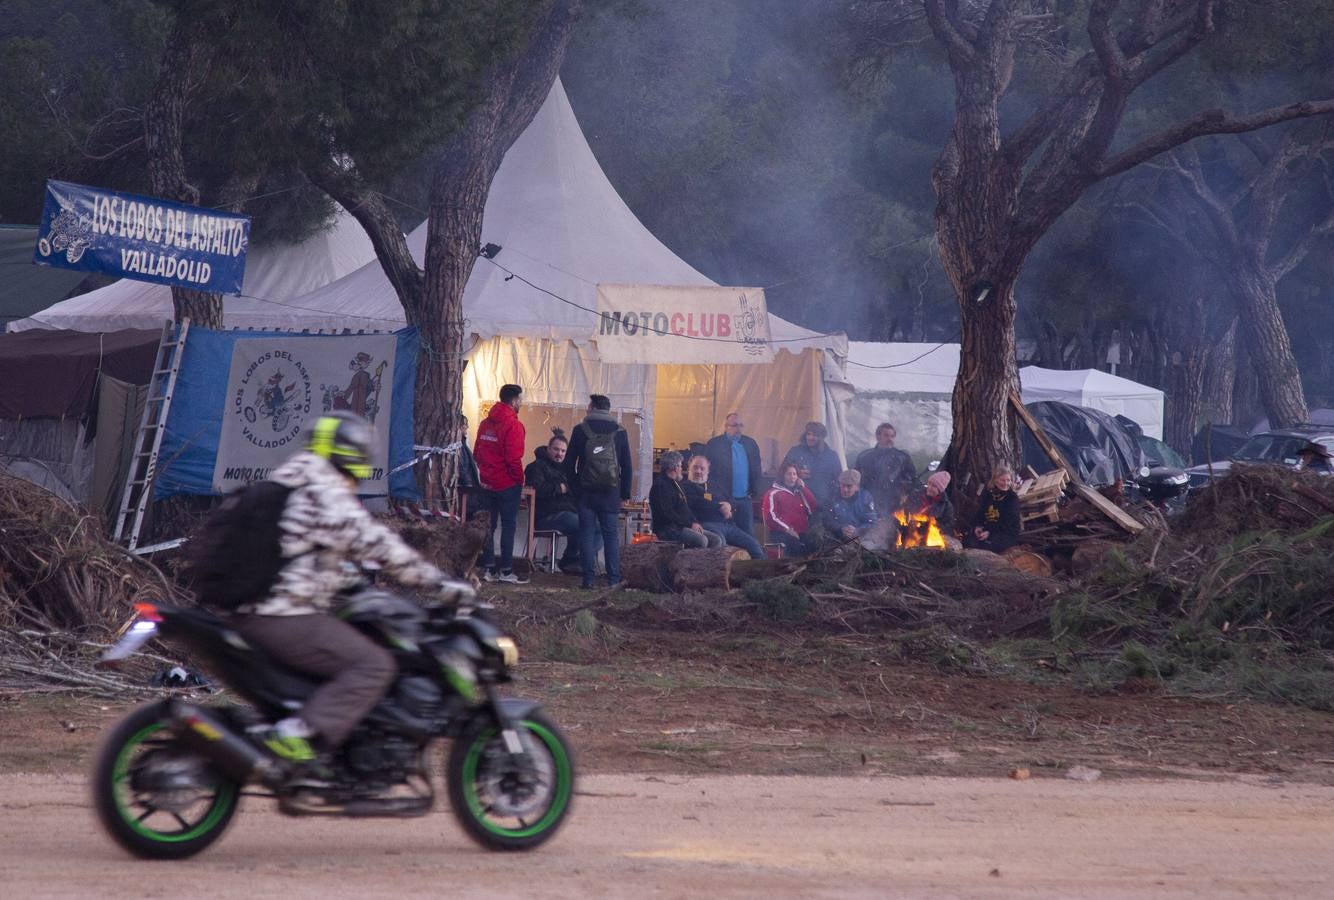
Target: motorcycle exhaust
[{"x": 212, "y": 737}]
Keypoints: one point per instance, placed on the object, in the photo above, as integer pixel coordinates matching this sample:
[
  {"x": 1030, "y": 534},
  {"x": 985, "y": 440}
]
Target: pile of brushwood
[
  {"x": 1233, "y": 598},
  {"x": 65, "y": 590},
  {"x": 1237, "y": 596}
]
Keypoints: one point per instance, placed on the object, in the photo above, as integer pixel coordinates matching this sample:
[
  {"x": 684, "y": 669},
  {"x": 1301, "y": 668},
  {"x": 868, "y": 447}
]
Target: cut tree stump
[
  {"x": 1089, "y": 555},
  {"x": 705, "y": 570},
  {"x": 1027, "y": 561},
  {"x": 453, "y": 546},
  {"x": 646, "y": 566}
]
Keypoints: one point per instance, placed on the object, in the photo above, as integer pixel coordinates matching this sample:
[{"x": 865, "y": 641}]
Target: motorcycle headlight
[{"x": 509, "y": 651}]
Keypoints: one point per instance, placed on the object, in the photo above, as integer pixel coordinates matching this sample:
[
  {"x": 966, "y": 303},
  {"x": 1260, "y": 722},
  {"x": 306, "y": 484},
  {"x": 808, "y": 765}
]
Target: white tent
[
  {"x": 1097, "y": 390},
  {"x": 562, "y": 230},
  {"x": 274, "y": 272},
  {"x": 907, "y": 385}
]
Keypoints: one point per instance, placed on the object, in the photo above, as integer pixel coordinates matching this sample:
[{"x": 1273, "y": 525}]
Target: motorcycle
[{"x": 169, "y": 777}]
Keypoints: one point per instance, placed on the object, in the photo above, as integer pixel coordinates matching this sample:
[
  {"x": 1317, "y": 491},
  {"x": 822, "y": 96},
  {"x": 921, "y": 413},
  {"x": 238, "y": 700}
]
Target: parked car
[{"x": 1279, "y": 447}]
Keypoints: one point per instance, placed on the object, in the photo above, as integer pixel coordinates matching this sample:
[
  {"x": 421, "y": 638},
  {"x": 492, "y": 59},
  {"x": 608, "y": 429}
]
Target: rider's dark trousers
[{"x": 358, "y": 670}]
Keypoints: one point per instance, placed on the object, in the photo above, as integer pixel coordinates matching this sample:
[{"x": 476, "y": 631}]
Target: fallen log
[
  {"x": 744, "y": 570},
  {"x": 705, "y": 570},
  {"x": 647, "y": 566},
  {"x": 1028, "y": 562}
]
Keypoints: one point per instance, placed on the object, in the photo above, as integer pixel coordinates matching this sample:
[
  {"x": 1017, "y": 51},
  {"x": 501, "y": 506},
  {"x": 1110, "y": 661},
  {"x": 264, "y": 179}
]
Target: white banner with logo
[
  {"x": 645, "y": 323},
  {"x": 276, "y": 387}
]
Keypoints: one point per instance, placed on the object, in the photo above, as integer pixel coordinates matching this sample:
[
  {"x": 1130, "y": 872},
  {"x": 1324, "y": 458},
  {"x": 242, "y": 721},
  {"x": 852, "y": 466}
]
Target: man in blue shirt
[{"x": 734, "y": 471}]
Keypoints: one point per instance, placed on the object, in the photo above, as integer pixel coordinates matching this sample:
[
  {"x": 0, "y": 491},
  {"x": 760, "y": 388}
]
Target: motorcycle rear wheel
[
  {"x": 158, "y": 824},
  {"x": 491, "y": 798}
]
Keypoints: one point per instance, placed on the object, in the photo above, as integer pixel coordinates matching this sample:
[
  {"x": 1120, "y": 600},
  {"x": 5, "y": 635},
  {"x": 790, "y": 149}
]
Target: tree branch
[
  {"x": 942, "y": 26},
  {"x": 1104, "y": 41},
  {"x": 1214, "y": 121},
  {"x": 1201, "y": 25}
]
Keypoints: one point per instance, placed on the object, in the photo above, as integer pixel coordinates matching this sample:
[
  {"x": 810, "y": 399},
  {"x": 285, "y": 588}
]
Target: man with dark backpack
[
  {"x": 599, "y": 468},
  {"x": 277, "y": 553}
]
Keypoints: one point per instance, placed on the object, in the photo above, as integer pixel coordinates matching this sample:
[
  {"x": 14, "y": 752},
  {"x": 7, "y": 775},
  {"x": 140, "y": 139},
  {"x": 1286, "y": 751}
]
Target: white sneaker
[
  {"x": 488, "y": 576},
  {"x": 511, "y": 578}
]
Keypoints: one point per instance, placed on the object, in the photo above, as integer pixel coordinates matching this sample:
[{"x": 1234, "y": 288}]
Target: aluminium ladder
[{"x": 143, "y": 465}]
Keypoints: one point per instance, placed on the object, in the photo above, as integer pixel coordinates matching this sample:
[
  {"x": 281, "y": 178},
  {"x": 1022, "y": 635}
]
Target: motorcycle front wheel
[
  {"x": 506, "y": 802},
  {"x": 156, "y": 798}
]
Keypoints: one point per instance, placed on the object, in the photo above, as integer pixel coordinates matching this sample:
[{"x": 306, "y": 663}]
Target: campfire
[{"x": 918, "y": 531}]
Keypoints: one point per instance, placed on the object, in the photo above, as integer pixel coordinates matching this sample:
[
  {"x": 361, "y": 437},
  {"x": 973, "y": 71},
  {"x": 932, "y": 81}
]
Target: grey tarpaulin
[
  {"x": 120, "y": 411},
  {"x": 1093, "y": 442}
]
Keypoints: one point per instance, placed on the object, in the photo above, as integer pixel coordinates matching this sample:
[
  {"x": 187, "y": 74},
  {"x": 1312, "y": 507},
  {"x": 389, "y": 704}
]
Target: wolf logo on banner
[
  {"x": 277, "y": 385},
  {"x": 362, "y": 394}
]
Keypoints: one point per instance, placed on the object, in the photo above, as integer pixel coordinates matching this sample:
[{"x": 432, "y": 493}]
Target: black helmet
[{"x": 344, "y": 439}]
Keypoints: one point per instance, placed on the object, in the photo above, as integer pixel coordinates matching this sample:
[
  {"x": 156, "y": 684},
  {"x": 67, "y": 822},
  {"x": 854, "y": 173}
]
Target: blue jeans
[
  {"x": 735, "y": 537},
  {"x": 598, "y": 514},
  {"x": 567, "y": 523},
  {"x": 743, "y": 516},
  {"x": 503, "y": 507}
]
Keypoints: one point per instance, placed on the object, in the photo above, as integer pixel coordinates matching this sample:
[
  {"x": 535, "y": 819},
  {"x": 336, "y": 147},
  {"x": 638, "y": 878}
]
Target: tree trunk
[
  {"x": 1185, "y": 385},
  {"x": 1220, "y": 374},
  {"x": 1280, "y": 381},
  {"x": 516, "y": 90},
  {"x": 188, "y": 51},
  {"x": 705, "y": 570}
]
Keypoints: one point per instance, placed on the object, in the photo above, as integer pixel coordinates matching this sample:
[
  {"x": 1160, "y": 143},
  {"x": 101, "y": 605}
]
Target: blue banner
[
  {"x": 203, "y": 407},
  {"x": 143, "y": 238}
]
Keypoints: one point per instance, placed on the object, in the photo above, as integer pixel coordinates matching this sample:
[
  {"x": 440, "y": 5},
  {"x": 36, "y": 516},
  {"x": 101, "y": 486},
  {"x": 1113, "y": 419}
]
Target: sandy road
[{"x": 731, "y": 837}]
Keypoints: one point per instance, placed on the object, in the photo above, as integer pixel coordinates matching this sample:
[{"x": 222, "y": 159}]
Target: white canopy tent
[
  {"x": 908, "y": 385},
  {"x": 531, "y": 312},
  {"x": 274, "y": 272},
  {"x": 1096, "y": 390}
]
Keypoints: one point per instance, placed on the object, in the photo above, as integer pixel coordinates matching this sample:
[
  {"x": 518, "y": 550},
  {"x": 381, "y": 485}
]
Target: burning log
[{"x": 917, "y": 530}]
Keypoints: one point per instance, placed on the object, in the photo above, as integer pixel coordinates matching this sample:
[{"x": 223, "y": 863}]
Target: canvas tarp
[
  {"x": 1099, "y": 390},
  {"x": 25, "y": 287},
  {"x": 54, "y": 373}
]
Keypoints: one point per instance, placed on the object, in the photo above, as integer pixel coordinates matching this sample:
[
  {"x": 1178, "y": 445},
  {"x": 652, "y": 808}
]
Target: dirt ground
[
  {"x": 697, "y": 746},
  {"x": 732, "y": 836},
  {"x": 639, "y": 692}
]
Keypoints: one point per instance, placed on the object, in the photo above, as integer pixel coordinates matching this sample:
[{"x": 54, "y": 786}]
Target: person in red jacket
[
  {"x": 499, "y": 454},
  {"x": 789, "y": 512}
]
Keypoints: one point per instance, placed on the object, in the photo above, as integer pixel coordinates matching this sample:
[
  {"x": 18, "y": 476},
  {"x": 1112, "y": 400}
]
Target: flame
[{"x": 918, "y": 531}]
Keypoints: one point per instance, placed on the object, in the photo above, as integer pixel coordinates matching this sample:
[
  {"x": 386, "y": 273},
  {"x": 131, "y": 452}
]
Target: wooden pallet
[{"x": 1039, "y": 497}]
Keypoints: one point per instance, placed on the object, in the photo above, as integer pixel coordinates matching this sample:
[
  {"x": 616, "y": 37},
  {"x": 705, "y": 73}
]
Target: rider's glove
[{"x": 458, "y": 592}]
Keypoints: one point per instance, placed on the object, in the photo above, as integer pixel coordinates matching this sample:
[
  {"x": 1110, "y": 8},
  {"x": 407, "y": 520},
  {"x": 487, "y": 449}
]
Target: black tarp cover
[
  {"x": 1099, "y": 448},
  {"x": 53, "y": 374}
]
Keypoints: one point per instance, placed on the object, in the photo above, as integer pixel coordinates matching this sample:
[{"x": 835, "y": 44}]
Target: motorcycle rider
[{"x": 324, "y": 529}]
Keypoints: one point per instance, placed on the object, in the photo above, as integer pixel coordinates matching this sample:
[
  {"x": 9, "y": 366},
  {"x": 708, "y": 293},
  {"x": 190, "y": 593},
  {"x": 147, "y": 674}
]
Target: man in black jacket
[
  {"x": 734, "y": 471},
  {"x": 672, "y": 518},
  {"x": 600, "y": 470},
  {"x": 556, "y": 509},
  {"x": 715, "y": 515}
]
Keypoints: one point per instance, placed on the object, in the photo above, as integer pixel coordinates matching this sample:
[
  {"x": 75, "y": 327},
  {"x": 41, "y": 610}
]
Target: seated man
[
  {"x": 556, "y": 509},
  {"x": 715, "y": 515},
  {"x": 853, "y": 515},
  {"x": 672, "y": 518}
]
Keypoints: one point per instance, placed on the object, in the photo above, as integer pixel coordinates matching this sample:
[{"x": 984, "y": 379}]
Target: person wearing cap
[
  {"x": 817, "y": 464},
  {"x": 933, "y": 501},
  {"x": 853, "y": 514},
  {"x": 1315, "y": 458}
]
